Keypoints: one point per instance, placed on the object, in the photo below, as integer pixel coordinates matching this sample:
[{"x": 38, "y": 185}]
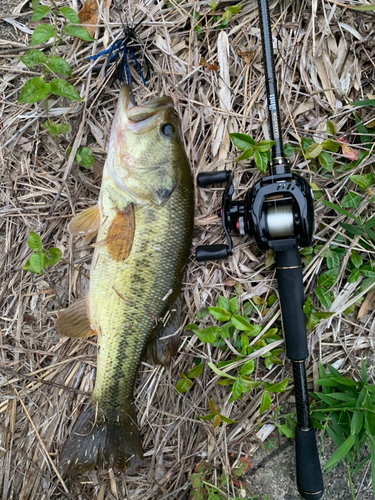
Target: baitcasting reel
[{"x": 278, "y": 212}]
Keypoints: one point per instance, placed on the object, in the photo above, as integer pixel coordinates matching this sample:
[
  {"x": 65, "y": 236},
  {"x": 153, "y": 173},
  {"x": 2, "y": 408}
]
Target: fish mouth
[{"x": 144, "y": 111}]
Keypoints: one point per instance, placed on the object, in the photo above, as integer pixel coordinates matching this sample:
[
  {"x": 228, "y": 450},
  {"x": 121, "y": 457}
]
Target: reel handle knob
[
  {"x": 212, "y": 252},
  {"x": 209, "y": 178}
]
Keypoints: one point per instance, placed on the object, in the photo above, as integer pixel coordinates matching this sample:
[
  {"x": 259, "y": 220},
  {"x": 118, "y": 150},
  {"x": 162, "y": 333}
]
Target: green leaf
[
  {"x": 224, "y": 330},
  {"x": 352, "y": 228},
  {"x": 223, "y": 303},
  {"x": 84, "y": 157},
  {"x": 308, "y": 306},
  {"x": 37, "y": 262},
  {"x": 264, "y": 146},
  {"x": 42, "y": 33},
  {"x": 288, "y": 149},
  {"x": 233, "y": 305},
  {"x": 328, "y": 278},
  {"x": 340, "y": 210},
  {"x": 326, "y": 161},
  {"x": 368, "y": 271},
  {"x": 276, "y": 388},
  {"x": 245, "y": 155},
  {"x": 207, "y": 335},
  {"x": 183, "y": 385},
  {"x": 340, "y": 453},
  {"x": 55, "y": 128},
  {"x": 219, "y": 313},
  {"x": 242, "y": 141},
  {"x": 247, "y": 368},
  {"x": 354, "y": 275},
  {"x": 219, "y": 372},
  {"x": 363, "y": 371},
  {"x": 213, "y": 6},
  {"x": 79, "y": 32},
  {"x": 356, "y": 260},
  {"x": 265, "y": 402},
  {"x": 351, "y": 200},
  {"x": 39, "y": 13},
  {"x": 70, "y": 14},
  {"x": 34, "y": 4},
  {"x": 35, "y": 89},
  {"x": 313, "y": 151},
  {"x": 33, "y": 242},
  {"x": 196, "y": 371},
  {"x": 227, "y": 420},
  {"x": 330, "y": 145},
  {"x": 243, "y": 325},
  {"x": 362, "y": 8},
  {"x": 285, "y": 430},
  {"x": 54, "y": 255},
  {"x": 331, "y": 127},
  {"x": 33, "y": 57},
  {"x": 261, "y": 161},
  {"x": 363, "y": 181},
  {"x": 306, "y": 142},
  {"x": 58, "y": 65},
  {"x": 323, "y": 296},
  {"x": 333, "y": 262},
  {"x": 64, "y": 89},
  {"x": 367, "y": 102},
  {"x": 237, "y": 388}
]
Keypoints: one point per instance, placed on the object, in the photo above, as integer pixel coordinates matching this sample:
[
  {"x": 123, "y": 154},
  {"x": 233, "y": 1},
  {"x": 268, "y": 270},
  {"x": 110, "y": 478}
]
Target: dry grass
[{"x": 324, "y": 59}]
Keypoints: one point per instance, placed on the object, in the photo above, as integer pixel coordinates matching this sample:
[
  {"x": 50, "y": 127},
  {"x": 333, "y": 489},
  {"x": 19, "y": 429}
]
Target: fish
[{"x": 143, "y": 222}]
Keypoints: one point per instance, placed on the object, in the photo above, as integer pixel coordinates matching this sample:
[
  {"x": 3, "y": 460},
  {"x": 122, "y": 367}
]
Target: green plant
[
  {"x": 259, "y": 150},
  {"x": 186, "y": 383},
  {"x": 237, "y": 331},
  {"x": 201, "y": 489},
  {"x": 40, "y": 259},
  {"x": 83, "y": 156},
  {"x": 216, "y": 416},
  {"x": 346, "y": 411},
  {"x": 40, "y": 88}
]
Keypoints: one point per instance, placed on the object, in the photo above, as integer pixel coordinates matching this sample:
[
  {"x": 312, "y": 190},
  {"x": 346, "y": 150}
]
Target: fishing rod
[{"x": 279, "y": 213}]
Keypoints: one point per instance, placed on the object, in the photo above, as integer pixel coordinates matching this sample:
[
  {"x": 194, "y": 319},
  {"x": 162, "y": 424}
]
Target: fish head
[{"x": 146, "y": 154}]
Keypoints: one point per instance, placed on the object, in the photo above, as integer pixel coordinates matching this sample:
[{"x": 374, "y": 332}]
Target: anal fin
[
  {"x": 86, "y": 223},
  {"x": 165, "y": 344},
  {"x": 74, "y": 321}
]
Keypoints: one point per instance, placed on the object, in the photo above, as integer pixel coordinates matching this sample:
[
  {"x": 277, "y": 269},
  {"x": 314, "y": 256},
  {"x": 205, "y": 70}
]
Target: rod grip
[
  {"x": 289, "y": 279},
  {"x": 309, "y": 475}
]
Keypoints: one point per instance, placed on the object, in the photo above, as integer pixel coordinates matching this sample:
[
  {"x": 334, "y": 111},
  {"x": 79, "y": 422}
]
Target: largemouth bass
[{"x": 144, "y": 224}]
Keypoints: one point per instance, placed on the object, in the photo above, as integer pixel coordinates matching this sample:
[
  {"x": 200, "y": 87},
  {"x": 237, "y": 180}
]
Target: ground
[{"x": 324, "y": 62}]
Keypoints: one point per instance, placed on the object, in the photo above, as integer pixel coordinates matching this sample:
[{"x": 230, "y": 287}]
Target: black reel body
[{"x": 278, "y": 211}]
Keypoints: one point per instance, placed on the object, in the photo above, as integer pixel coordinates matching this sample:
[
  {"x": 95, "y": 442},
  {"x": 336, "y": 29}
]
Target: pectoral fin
[
  {"x": 86, "y": 222},
  {"x": 74, "y": 321},
  {"x": 119, "y": 239},
  {"x": 165, "y": 344}
]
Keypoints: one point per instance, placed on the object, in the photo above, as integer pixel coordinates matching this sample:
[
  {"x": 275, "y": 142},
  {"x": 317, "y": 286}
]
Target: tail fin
[{"x": 104, "y": 439}]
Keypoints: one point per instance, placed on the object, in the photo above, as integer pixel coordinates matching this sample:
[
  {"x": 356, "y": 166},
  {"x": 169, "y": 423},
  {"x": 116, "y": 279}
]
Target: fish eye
[{"x": 167, "y": 130}]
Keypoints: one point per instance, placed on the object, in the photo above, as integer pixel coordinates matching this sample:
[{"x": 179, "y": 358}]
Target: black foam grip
[
  {"x": 289, "y": 279},
  {"x": 211, "y": 252},
  {"x": 309, "y": 475},
  {"x": 209, "y": 178}
]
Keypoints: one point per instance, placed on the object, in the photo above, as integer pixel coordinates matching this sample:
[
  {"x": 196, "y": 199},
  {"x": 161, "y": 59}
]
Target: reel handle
[
  {"x": 209, "y": 178},
  {"x": 212, "y": 252}
]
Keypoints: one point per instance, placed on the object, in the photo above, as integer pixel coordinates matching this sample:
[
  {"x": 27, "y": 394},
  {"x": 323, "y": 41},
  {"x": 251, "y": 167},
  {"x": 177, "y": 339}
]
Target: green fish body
[{"x": 144, "y": 221}]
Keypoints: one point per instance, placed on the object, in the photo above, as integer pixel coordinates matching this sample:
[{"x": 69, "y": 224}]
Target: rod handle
[
  {"x": 209, "y": 178},
  {"x": 212, "y": 252},
  {"x": 290, "y": 282},
  {"x": 309, "y": 475}
]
